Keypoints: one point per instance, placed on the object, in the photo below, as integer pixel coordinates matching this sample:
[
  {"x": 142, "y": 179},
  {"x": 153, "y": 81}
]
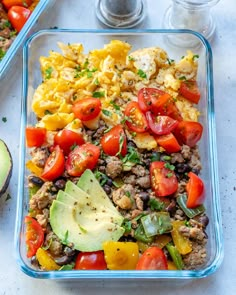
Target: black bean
[
  {"x": 204, "y": 220},
  {"x": 107, "y": 189},
  {"x": 196, "y": 171},
  {"x": 109, "y": 182},
  {"x": 131, "y": 144},
  {"x": 69, "y": 251},
  {"x": 171, "y": 208},
  {"x": 36, "y": 180},
  {"x": 182, "y": 168},
  {"x": 63, "y": 260},
  {"x": 60, "y": 184},
  {"x": 144, "y": 196}
]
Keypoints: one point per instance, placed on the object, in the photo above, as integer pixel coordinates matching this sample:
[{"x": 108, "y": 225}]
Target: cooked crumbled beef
[
  {"x": 39, "y": 156},
  {"x": 144, "y": 181},
  {"x": 43, "y": 197},
  {"x": 181, "y": 186},
  {"x": 197, "y": 257},
  {"x": 135, "y": 213},
  {"x": 177, "y": 158},
  {"x": 139, "y": 202},
  {"x": 123, "y": 197},
  {"x": 43, "y": 218},
  {"x": 130, "y": 179},
  {"x": 54, "y": 244},
  {"x": 186, "y": 152},
  {"x": 114, "y": 167},
  {"x": 194, "y": 162},
  {"x": 139, "y": 170},
  {"x": 179, "y": 215},
  {"x": 202, "y": 219}
]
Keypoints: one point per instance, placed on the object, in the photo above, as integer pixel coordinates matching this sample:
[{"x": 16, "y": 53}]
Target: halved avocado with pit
[{"x": 5, "y": 167}]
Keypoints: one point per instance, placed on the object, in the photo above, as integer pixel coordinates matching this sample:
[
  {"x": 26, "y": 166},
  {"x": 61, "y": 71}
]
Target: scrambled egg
[{"x": 115, "y": 74}]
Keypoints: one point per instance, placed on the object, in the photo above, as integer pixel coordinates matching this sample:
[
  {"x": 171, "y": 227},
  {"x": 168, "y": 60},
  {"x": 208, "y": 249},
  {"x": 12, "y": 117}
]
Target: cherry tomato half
[
  {"x": 9, "y": 3},
  {"x": 87, "y": 108},
  {"x": 55, "y": 165},
  {"x": 34, "y": 235},
  {"x": 163, "y": 180},
  {"x": 152, "y": 259},
  {"x": 188, "y": 132},
  {"x": 81, "y": 158},
  {"x": 136, "y": 120},
  {"x": 114, "y": 141},
  {"x": 190, "y": 90},
  {"x": 161, "y": 124},
  {"x": 18, "y": 16},
  {"x": 168, "y": 142},
  {"x": 195, "y": 191},
  {"x": 35, "y": 136},
  {"x": 91, "y": 261},
  {"x": 67, "y": 139}
]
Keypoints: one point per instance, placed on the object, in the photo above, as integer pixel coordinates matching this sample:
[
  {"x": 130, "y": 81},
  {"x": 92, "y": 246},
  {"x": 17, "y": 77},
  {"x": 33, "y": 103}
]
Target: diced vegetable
[
  {"x": 182, "y": 199},
  {"x": 175, "y": 255},
  {"x": 156, "y": 223},
  {"x": 181, "y": 242},
  {"x": 121, "y": 255},
  {"x": 45, "y": 260},
  {"x": 140, "y": 235},
  {"x": 162, "y": 240}
]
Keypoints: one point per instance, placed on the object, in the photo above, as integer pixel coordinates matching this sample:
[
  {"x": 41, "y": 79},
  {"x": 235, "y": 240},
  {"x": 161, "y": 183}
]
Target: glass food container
[
  {"x": 28, "y": 28},
  {"x": 40, "y": 44}
]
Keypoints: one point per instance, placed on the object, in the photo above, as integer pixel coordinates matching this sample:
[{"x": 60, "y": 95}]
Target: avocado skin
[{"x": 5, "y": 153}]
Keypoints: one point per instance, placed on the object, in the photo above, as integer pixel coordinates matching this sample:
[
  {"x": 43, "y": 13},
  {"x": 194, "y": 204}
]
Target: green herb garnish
[
  {"x": 107, "y": 113},
  {"x": 142, "y": 74},
  {"x": 98, "y": 94},
  {"x": 154, "y": 204},
  {"x": 48, "y": 73}
]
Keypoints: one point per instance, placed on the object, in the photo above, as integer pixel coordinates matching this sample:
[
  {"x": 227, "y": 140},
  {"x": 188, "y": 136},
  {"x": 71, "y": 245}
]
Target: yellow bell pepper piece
[
  {"x": 162, "y": 240},
  {"x": 121, "y": 255},
  {"x": 45, "y": 260},
  {"x": 181, "y": 242},
  {"x": 171, "y": 265},
  {"x": 34, "y": 168},
  {"x": 142, "y": 246}
]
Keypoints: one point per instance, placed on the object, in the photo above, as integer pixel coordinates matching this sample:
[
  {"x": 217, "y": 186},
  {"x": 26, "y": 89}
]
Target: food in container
[{"x": 128, "y": 188}]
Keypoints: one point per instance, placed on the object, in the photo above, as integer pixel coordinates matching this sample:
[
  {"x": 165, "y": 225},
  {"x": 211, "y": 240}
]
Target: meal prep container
[
  {"x": 40, "y": 44},
  {"x": 28, "y": 28}
]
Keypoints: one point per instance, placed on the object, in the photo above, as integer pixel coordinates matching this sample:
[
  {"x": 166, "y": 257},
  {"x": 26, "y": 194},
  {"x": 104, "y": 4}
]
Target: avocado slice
[
  {"x": 82, "y": 220},
  {"x": 6, "y": 167},
  {"x": 89, "y": 183}
]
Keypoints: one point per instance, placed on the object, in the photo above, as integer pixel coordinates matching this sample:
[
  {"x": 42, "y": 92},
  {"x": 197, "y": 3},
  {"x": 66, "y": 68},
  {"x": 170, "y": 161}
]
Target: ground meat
[
  {"x": 181, "y": 186},
  {"x": 139, "y": 202},
  {"x": 144, "y": 181},
  {"x": 130, "y": 179},
  {"x": 196, "y": 258},
  {"x": 139, "y": 170},
  {"x": 42, "y": 198},
  {"x": 54, "y": 244},
  {"x": 43, "y": 218},
  {"x": 194, "y": 162},
  {"x": 192, "y": 233},
  {"x": 124, "y": 196},
  {"x": 186, "y": 152},
  {"x": 114, "y": 167},
  {"x": 39, "y": 156},
  {"x": 179, "y": 215},
  {"x": 177, "y": 158}
]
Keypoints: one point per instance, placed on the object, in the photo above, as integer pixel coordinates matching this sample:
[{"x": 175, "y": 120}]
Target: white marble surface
[{"x": 80, "y": 14}]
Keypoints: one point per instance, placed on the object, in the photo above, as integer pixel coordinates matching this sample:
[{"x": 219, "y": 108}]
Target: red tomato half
[
  {"x": 114, "y": 141},
  {"x": 87, "y": 109},
  {"x": 91, "y": 261},
  {"x": 195, "y": 191},
  {"x": 188, "y": 132},
  {"x": 168, "y": 142},
  {"x": 163, "y": 180},
  {"x": 190, "y": 90},
  {"x": 55, "y": 165},
  {"x": 161, "y": 124},
  {"x": 136, "y": 120},
  {"x": 9, "y": 3},
  {"x": 18, "y": 16},
  {"x": 81, "y": 158},
  {"x": 34, "y": 236},
  {"x": 158, "y": 102},
  {"x": 67, "y": 139},
  {"x": 35, "y": 136},
  {"x": 152, "y": 259}
]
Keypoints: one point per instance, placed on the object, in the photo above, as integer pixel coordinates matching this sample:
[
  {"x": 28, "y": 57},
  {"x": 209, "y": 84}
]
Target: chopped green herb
[
  {"x": 127, "y": 193},
  {"x": 47, "y": 112},
  {"x": 98, "y": 94},
  {"x": 133, "y": 134},
  {"x": 169, "y": 175},
  {"x": 115, "y": 106},
  {"x": 48, "y": 73},
  {"x": 154, "y": 204},
  {"x": 131, "y": 58},
  {"x": 121, "y": 142},
  {"x": 65, "y": 240},
  {"x": 67, "y": 267},
  {"x": 132, "y": 156},
  {"x": 96, "y": 82},
  {"x": 4, "y": 119},
  {"x": 48, "y": 245},
  {"x": 169, "y": 166},
  {"x": 107, "y": 113},
  {"x": 182, "y": 78},
  {"x": 142, "y": 74},
  {"x": 125, "y": 119},
  {"x": 195, "y": 56},
  {"x": 127, "y": 225},
  {"x": 13, "y": 33},
  {"x": 101, "y": 177},
  {"x": 2, "y": 53},
  {"x": 155, "y": 157},
  {"x": 7, "y": 24},
  {"x": 170, "y": 61},
  {"x": 166, "y": 158},
  {"x": 74, "y": 97},
  {"x": 85, "y": 65}
]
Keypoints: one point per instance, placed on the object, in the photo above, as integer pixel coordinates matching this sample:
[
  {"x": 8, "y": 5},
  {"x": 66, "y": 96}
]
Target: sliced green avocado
[
  {"x": 80, "y": 219},
  {"x": 89, "y": 183},
  {"x": 6, "y": 167}
]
